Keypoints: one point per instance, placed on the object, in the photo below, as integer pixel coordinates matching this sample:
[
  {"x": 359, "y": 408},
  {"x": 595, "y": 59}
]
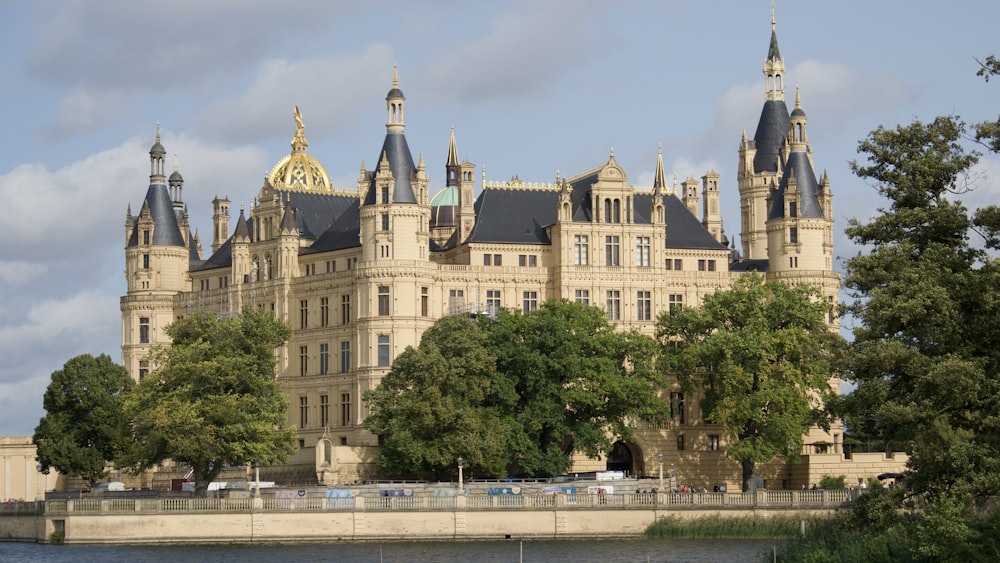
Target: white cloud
[{"x": 20, "y": 272}]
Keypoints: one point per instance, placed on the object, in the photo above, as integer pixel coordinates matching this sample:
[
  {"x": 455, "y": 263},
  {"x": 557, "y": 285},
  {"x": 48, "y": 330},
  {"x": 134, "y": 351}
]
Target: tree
[
  {"x": 213, "y": 400},
  {"x": 84, "y": 425},
  {"x": 435, "y": 406},
  {"x": 926, "y": 293},
  {"x": 578, "y": 384},
  {"x": 762, "y": 356}
]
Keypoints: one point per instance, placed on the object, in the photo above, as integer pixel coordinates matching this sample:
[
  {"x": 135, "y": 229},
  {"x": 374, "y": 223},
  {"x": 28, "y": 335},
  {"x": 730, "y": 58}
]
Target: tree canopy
[
  {"x": 515, "y": 395},
  {"x": 213, "y": 399},
  {"x": 926, "y": 294},
  {"x": 761, "y": 356},
  {"x": 84, "y": 426}
]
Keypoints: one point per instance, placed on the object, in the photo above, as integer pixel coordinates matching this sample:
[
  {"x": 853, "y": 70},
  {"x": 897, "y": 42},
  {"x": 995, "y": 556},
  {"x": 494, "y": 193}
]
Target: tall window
[
  {"x": 793, "y": 209},
  {"x": 581, "y": 250},
  {"x": 456, "y": 301},
  {"x": 303, "y": 360},
  {"x": 324, "y": 311},
  {"x": 145, "y": 236},
  {"x": 345, "y": 356},
  {"x": 145, "y": 261},
  {"x": 582, "y": 296},
  {"x": 383, "y": 350},
  {"x": 713, "y": 442},
  {"x": 345, "y": 308},
  {"x": 303, "y": 313},
  {"x": 492, "y": 302},
  {"x": 303, "y": 412},
  {"x": 385, "y": 194},
  {"x": 345, "y": 409},
  {"x": 385, "y": 221},
  {"x": 324, "y": 358},
  {"x": 612, "y": 211},
  {"x": 643, "y": 305},
  {"x": 793, "y": 235},
  {"x": 530, "y": 301},
  {"x": 383, "y": 300},
  {"x": 680, "y": 442},
  {"x": 143, "y": 369},
  {"x": 424, "y": 302},
  {"x": 611, "y": 251},
  {"x": 642, "y": 251},
  {"x": 677, "y": 406},
  {"x": 324, "y": 410},
  {"x": 144, "y": 330},
  {"x": 614, "y": 304},
  {"x": 675, "y": 302}
]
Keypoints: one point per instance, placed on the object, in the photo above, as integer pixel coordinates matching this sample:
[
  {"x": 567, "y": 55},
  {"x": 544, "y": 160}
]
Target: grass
[{"x": 743, "y": 527}]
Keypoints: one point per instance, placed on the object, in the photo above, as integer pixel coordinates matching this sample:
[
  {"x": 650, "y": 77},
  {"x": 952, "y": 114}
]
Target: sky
[{"x": 533, "y": 88}]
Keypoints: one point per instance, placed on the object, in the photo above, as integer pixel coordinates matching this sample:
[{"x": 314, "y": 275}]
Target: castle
[{"x": 360, "y": 274}]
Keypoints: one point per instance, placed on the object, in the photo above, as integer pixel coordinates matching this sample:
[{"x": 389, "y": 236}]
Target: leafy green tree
[
  {"x": 213, "y": 399},
  {"x": 579, "y": 384},
  {"x": 435, "y": 405},
  {"x": 926, "y": 294},
  {"x": 761, "y": 355},
  {"x": 84, "y": 425}
]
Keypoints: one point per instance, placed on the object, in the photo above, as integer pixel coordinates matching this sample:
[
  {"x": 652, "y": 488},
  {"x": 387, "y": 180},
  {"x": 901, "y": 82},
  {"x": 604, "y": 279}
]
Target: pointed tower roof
[
  {"x": 772, "y": 128},
  {"x": 452, "y": 150},
  {"x": 659, "y": 179},
  {"x": 242, "y": 231},
  {"x": 773, "y": 53},
  {"x": 288, "y": 223},
  {"x": 395, "y": 151}
]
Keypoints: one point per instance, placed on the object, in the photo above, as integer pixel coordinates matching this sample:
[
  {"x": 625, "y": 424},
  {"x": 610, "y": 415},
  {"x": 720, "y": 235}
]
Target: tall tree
[
  {"x": 761, "y": 356},
  {"x": 84, "y": 425},
  {"x": 927, "y": 296},
  {"x": 213, "y": 399},
  {"x": 434, "y": 407},
  {"x": 579, "y": 384}
]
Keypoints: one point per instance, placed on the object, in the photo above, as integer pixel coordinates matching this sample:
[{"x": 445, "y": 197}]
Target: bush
[
  {"x": 57, "y": 538},
  {"x": 831, "y": 482}
]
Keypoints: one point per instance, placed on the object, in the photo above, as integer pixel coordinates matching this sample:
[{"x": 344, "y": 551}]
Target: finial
[
  {"x": 175, "y": 162},
  {"x": 157, "y": 130},
  {"x": 612, "y": 152},
  {"x": 298, "y": 118},
  {"x": 395, "y": 76},
  {"x": 772, "y": 16},
  {"x": 798, "y": 99},
  {"x": 659, "y": 147}
]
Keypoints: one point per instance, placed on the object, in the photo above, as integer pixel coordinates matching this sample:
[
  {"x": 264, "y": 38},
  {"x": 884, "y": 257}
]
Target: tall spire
[
  {"x": 452, "y": 150},
  {"x": 774, "y": 65},
  {"x": 394, "y": 104},
  {"x": 659, "y": 179}
]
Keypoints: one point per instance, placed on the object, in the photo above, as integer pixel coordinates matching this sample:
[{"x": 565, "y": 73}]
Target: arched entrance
[{"x": 621, "y": 458}]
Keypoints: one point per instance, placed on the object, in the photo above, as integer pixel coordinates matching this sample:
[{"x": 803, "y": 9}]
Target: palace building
[{"x": 360, "y": 273}]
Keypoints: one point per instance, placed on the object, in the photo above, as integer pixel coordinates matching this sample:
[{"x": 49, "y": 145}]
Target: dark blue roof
[
  {"x": 400, "y": 160},
  {"x": 805, "y": 179},
  {"x": 161, "y": 209},
  {"x": 772, "y": 129},
  {"x": 344, "y": 233}
]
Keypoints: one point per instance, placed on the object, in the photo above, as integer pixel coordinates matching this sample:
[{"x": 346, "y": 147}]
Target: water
[{"x": 563, "y": 551}]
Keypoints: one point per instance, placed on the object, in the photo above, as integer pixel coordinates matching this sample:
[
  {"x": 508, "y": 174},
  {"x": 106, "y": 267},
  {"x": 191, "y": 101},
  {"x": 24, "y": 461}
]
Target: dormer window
[
  {"x": 793, "y": 209},
  {"x": 145, "y": 236},
  {"x": 385, "y": 194}
]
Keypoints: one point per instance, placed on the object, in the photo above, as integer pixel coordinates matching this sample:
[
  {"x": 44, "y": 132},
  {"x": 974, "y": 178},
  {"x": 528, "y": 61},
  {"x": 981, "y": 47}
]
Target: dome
[
  {"x": 299, "y": 171},
  {"x": 444, "y": 208},
  {"x": 176, "y": 177},
  {"x": 157, "y": 149},
  {"x": 797, "y": 112}
]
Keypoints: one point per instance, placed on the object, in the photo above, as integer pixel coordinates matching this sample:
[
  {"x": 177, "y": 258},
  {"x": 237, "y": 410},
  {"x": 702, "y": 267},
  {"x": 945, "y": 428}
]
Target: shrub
[{"x": 831, "y": 482}]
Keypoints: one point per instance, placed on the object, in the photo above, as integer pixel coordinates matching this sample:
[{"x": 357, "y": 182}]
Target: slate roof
[
  {"x": 344, "y": 233},
  {"x": 400, "y": 160},
  {"x": 161, "y": 209},
  {"x": 805, "y": 179},
  {"x": 315, "y": 211},
  {"x": 772, "y": 129}
]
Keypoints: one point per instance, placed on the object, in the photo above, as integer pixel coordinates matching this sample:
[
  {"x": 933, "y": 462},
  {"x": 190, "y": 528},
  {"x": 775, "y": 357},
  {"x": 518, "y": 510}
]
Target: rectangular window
[
  {"x": 680, "y": 442},
  {"x": 677, "y": 407},
  {"x": 331, "y": 266},
  {"x": 383, "y": 350},
  {"x": 492, "y": 302},
  {"x": 303, "y": 412},
  {"x": 793, "y": 235},
  {"x": 456, "y": 301},
  {"x": 642, "y": 251},
  {"x": 611, "y": 251},
  {"x": 303, "y": 360},
  {"x": 324, "y": 311},
  {"x": 675, "y": 264},
  {"x": 143, "y": 369},
  {"x": 145, "y": 236},
  {"x": 324, "y": 410},
  {"x": 487, "y": 259},
  {"x": 497, "y": 260},
  {"x": 702, "y": 265},
  {"x": 385, "y": 221},
  {"x": 345, "y": 356},
  {"x": 145, "y": 261},
  {"x": 643, "y": 305},
  {"x": 345, "y": 409},
  {"x": 713, "y": 442},
  {"x": 581, "y": 250},
  {"x": 530, "y": 301},
  {"x": 304, "y": 313},
  {"x": 383, "y": 300},
  {"x": 793, "y": 209},
  {"x": 424, "y": 302},
  {"x": 385, "y": 194},
  {"x": 582, "y": 296},
  {"x": 532, "y": 261},
  {"x": 711, "y": 265},
  {"x": 143, "y": 330},
  {"x": 324, "y": 358},
  {"x": 675, "y": 302},
  {"x": 345, "y": 309},
  {"x": 614, "y": 304}
]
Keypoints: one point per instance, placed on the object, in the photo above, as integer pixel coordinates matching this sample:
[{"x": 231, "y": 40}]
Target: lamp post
[
  {"x": 659, "y": 457},
  {"x": 38, "y": 482},
  {"x": 256, "y": 478},
  {"x": 461, "y": 490}
]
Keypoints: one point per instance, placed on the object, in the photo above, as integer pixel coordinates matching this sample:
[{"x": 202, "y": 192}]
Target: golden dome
[{"x": 299, "y": 171}]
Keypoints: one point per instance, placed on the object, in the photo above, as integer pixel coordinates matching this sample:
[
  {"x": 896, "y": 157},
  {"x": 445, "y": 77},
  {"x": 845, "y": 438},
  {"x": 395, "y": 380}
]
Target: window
[
  {"x": 713, "y": 442},
  {"x": 582, "y": 296},
  {"x": 711, "y": 265},
  {"x": 675, "y": 302},
  {"x": 643, "y": 305},
  {"x": 383, "y": 350},
  {"x": 612, "y": 211},
  {"x": 145, "y": 236},
  {"x": 304, "y": 313},
  {"x": 497, "y": 260},
  {"x": 424, "y": 301},
  {"x": 677, "y": 407},
  {"x": 642, "y": 251},
  {"x": 383, "y": 300},
  {"x": 527, "y": 260},
  {"x": 324, "y": 410},
  {"x": 487, "y": 259},
  {"x": 706, "y": 265},
  {"x": 611, "y": 251},
  {"x": 614, "y": 304},
  {"x": 581, "y": 249},
  {"x": 143, "y": 330},
  {"x": 385, "y": 194},
  {"x": 793, "y": 261},
  {"x": 456, "y": 301},
  {"x": 331, "y": 266},
  {"x": 793, "y": 209},
  {"x": 345, "y": 356},
  {"x": 324, "y": 358},
  {"x": 145, "y": 261},
  {"x": 680, "y": 442},
  {"x": 303, "y": 412},
  {"x": 793, "y": 235},
  {"x": 530, "y": 301},
  {"x": 324, "y": 311},
  {"x": 143, "y": 369},
  {"x": 675, "y": 264},
  {"x": 345, "y": 309},
  {"x": 345, "y": 409},
  {"x": 303, "y": 360},
  {"x": 385, "y": 221},
  {"x": 492, "y": 302},
  {"x": 829, "y": 315}
]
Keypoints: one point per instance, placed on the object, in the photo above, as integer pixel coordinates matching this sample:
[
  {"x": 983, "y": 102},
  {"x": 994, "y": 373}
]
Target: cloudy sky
[{"x": 533, "y": 88}]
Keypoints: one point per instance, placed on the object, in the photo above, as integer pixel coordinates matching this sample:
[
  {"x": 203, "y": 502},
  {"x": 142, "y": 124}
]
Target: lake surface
[{"x": 512, "y": 551}]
